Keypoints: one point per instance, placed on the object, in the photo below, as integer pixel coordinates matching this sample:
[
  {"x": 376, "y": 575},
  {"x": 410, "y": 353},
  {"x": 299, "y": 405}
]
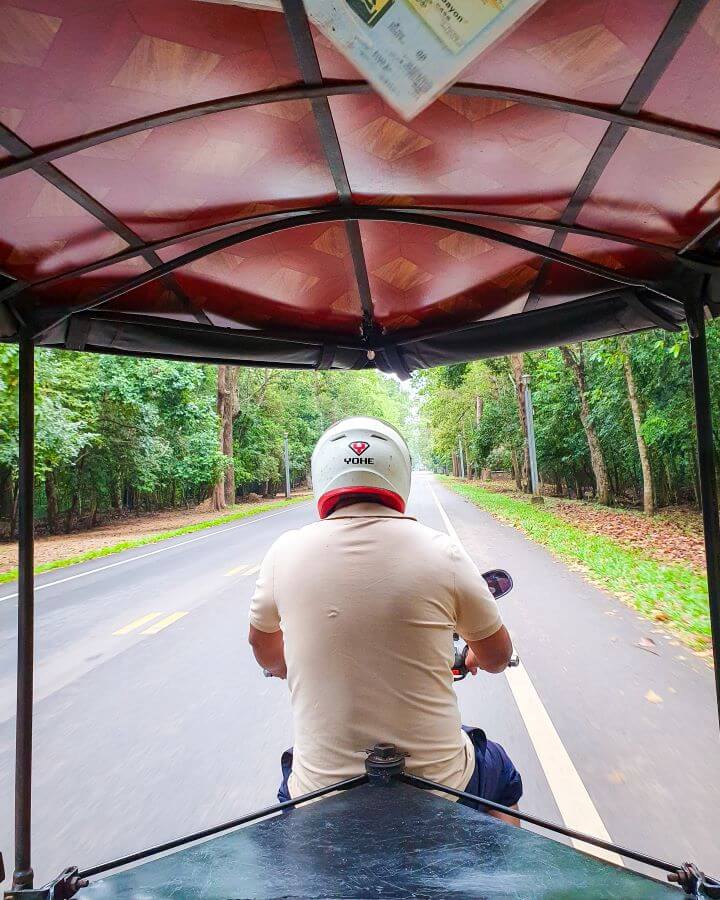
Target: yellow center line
[
  {"x": 163, "y": 623},
  {"x": 243, "y": 570},
  {"x": 143, "y": 620}
]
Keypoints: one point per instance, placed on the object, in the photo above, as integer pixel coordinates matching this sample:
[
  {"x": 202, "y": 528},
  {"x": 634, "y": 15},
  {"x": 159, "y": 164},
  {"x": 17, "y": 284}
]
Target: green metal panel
[{"x": 378, "y": 842}]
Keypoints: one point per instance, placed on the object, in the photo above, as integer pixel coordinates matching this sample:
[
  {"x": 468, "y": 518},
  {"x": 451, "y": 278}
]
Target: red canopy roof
[{"x": 203, "y": 181}]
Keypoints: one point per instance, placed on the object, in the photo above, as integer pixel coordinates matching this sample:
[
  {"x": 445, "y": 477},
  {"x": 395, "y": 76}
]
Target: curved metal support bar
[
  {"x": 365, "y": 214},
  {"x": 343, "y": 88},
  {"x": 15, "y": 290},
  {"x": 19, "y": 287}
]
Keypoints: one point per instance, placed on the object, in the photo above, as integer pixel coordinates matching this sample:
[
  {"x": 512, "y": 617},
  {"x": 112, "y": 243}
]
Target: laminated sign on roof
[{"x": 411, "y": 50}]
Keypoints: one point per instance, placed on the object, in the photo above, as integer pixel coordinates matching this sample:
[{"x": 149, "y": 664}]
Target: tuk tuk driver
[{"x": 358, "y": 611}]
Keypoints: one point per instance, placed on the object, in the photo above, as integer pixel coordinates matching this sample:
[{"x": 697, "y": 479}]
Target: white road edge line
[
  {"x": 122, "y": 562},
  {"x": 571, "y": 796}
]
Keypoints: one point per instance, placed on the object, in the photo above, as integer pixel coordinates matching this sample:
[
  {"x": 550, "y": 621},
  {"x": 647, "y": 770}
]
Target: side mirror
[{"x": 499, "y": 582}]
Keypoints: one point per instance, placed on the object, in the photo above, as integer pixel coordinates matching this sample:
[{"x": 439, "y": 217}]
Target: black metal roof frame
[
  {"x": 353, "y": 213},
  {"x": 675, "y": 31},
  {"x": 317, "y": 91}
]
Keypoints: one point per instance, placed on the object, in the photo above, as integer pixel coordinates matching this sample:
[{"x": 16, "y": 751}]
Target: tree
[
  {"x": 116, "y": 434},
  {"x": 227, "y": 409},
  {"x": 518, "y": 370},
  {"x": 648, "y": 496},
  {"x": 575, "y": 362}
]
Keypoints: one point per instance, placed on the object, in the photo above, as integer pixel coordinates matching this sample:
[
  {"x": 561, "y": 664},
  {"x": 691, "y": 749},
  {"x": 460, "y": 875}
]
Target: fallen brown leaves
[{"x": 671, "y": 536}]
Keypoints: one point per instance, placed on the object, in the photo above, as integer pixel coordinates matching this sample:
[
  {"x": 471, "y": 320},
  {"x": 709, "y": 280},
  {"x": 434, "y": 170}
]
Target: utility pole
[
  {"x": 287, "y": 469},
  {"x": 531, "y": 435},
  {"x": 461, "y": 457}
]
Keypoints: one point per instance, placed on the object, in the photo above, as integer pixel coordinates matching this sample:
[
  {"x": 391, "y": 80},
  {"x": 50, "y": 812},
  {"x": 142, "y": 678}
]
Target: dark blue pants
[{"x": 495, "y": 777}]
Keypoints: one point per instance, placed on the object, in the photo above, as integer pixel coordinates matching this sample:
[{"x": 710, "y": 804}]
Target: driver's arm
[
  {"x": 491, "y": 654},
  {"x": 265, "y": 637},
  {"x": 478, "y": 618},
  {"x": 269, "y": 650}
]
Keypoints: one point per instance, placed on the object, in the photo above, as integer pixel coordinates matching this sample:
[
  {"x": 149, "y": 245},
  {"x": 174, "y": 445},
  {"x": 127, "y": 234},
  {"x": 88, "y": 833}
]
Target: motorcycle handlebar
[{"x": 460, "y": 670}]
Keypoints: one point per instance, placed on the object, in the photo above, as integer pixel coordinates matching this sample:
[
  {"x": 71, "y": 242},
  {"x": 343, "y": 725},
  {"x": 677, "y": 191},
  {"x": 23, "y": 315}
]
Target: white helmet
[{"x": 361, "y": 455}]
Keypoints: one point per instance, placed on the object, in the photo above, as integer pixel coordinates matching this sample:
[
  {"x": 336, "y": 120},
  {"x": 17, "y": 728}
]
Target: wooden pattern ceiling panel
[
  {"x": 298, "y": 278},
  {"x": 657, "y": 188},
  {"x": 488, "y": 154},
  {"x": 621, "y": 258},
  {"x": 75, "y": 291},
  {"x": 67, "y": 68},
  {"x": 420, "y": 275},
  {"x": 563, "y": 284},
  {"x": 192, "y": 174},
  {"x": 688, "y": 91},
  {"x": 43, "y": 232},
  {"x": 585, "y": 50},
  {"x": 324, "y": 213}
]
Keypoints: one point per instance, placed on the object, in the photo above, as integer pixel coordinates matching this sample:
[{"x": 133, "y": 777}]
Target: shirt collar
[{"x": 367, "y": 510}]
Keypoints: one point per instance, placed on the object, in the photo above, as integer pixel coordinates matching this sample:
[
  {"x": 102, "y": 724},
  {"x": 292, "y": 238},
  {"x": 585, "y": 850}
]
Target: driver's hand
[{"x": 471, "y": 662}]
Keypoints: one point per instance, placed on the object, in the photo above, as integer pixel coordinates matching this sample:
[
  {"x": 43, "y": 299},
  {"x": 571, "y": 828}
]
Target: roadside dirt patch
[
  {"x": 61, "y": 546},
  {"x": 674, "y": 535}
]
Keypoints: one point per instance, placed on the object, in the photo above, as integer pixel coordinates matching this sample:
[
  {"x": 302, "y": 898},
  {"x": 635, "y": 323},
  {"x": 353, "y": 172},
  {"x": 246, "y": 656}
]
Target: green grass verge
[
  {"x": 11, "y": 574},
  {"x": 675, "y": 591}
]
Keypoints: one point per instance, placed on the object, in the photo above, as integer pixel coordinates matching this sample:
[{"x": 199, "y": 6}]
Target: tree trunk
[
  {"x": 516, "y": 469},
  {"x": 227, "y": 408},
  {"x": 14, "y": 509},
  {"x": 597, "y": 460},
  {"x": 52, "y": 504},
  {"x": 72, "y": 513},
  {"x": 94, "y": 511},
  {"x": 516, "y": 363},
  {"x": 6, "y": 495},
  {"x": 648, "y": 499}
]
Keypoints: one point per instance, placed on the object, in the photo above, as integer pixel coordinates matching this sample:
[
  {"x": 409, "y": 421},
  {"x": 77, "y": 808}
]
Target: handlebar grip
[{"x": 459, "y": 669}]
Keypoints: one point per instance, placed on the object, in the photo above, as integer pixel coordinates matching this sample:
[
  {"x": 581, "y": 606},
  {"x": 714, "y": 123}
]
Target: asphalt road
[{"x": 152, "y": 719}]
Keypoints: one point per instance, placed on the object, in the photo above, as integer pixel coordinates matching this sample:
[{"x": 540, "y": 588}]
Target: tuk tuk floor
[{"x": 141, "y": 737}]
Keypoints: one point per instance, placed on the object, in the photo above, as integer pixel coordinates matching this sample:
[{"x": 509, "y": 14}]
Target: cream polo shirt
[{"x": 367, "y": 600}]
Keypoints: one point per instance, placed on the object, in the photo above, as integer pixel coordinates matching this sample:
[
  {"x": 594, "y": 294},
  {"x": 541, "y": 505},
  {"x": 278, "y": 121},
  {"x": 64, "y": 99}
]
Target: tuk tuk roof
[{"x": 204, "y": 181}]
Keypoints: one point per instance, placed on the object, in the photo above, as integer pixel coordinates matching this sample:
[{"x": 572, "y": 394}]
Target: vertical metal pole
[
  {"x": 706, "y": 472},
  {"x": 531, "y": 435},
  {"x": 287, "y": 469},
  {"x": 23, "y": 874}
]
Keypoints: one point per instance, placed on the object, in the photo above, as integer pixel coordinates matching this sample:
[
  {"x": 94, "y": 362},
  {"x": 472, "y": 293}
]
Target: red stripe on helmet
[{"x": 329, "y": 500}]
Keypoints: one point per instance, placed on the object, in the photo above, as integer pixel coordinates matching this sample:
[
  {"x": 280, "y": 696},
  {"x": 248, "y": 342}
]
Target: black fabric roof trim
[{"x": 602, "y": 315}]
